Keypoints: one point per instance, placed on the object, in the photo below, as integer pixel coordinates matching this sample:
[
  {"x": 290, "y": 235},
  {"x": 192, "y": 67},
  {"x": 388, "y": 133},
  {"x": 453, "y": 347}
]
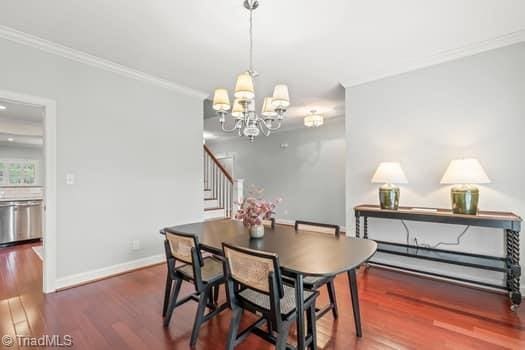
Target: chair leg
[
  {"x": 216, "y": 294},
  {"x": 269, "y": 326},
  {"x": 167, "y": 292},
  {"x": 210, "y": 296},
  {"x": 173, "y": 300},
  {"x": 311, "y": 320},
  {"x": 199, "y": 317},
  {"x": 282, "y": 336},
  {"x": 333, "y": 300},
  {"x": 234, "y": 327}
]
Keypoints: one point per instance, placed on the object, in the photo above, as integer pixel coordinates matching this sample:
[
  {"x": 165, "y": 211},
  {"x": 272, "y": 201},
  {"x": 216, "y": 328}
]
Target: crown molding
[
  {"x": 94, "y": 61},
  {"x": 441, "y": 57}
]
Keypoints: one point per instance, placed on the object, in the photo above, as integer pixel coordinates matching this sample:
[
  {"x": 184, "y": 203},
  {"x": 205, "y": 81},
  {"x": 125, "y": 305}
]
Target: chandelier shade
[
  {"x": 221, "y": 101},
  {"x": 244, "y": 88},
  {"x": 268, "y": 111},
  {"x": 238, "y": 109},
  {"x": 281, "y": 97}
]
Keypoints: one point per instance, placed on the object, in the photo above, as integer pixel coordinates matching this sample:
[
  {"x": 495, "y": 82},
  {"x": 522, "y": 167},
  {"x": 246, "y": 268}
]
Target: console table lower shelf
[{"x": 509, "y": 265}]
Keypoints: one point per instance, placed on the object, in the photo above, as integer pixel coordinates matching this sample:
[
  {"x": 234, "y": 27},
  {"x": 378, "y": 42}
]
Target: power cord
[
  {"x": 458, "y": 238},
  {"x": 407, "y": 231}
]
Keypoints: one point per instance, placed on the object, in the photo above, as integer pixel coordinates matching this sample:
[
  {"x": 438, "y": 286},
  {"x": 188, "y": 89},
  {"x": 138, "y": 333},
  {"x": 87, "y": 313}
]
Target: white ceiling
[{"x": 310, "y": 45}]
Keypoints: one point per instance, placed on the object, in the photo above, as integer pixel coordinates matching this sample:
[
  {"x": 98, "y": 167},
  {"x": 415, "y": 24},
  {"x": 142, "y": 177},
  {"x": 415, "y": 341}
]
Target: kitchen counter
[{"x": 21, "y": 193}]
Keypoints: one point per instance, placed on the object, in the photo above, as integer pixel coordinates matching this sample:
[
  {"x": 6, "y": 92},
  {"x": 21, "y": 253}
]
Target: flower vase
[{"x": 257, "y": 231}]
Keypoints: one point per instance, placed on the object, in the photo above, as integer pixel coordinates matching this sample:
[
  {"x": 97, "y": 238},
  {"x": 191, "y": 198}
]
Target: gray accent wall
[
  {"x": 135, "y": 149},
  {"x": 308, "y": 174},
  {"x": 471, "y": 107}
]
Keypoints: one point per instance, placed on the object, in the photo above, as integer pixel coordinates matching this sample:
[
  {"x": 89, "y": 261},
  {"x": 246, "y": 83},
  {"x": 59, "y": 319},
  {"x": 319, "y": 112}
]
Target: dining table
[{"x": 301, "y": 253}]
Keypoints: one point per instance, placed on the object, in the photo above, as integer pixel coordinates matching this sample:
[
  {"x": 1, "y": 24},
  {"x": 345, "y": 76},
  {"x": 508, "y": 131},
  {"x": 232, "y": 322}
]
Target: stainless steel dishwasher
[{"x": 20, "y": 220}]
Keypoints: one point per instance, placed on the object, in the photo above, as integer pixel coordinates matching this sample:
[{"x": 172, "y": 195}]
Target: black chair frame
[
  {"x": 275, "y": 321},
  {"x": 328, "y": 281},
  {"x": 272, "y": 223},
  {"x": 206, "y": 294}
]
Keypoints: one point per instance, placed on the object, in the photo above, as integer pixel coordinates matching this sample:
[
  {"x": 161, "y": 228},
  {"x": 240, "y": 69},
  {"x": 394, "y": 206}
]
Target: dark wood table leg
[
  {"x": 299, "y": 300},
  {"x": 352, "y": 279}
]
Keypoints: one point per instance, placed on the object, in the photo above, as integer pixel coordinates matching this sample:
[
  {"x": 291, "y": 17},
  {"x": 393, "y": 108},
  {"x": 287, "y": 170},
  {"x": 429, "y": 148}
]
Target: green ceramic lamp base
[
  {"x": 465, "y": 199},
  {"x": 389, "y": 197}
]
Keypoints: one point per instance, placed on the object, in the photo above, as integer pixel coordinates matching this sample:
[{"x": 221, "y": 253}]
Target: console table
[{"x": 510, "y": 224}]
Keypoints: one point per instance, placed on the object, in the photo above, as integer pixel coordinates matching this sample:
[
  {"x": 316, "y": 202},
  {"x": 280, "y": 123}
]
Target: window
[{"x": 18, "y": 172}]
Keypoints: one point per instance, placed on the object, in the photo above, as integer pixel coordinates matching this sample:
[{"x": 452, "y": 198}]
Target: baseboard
[
  {"x": 292, "y": 223},
  {"x": 109, "y": 271}
]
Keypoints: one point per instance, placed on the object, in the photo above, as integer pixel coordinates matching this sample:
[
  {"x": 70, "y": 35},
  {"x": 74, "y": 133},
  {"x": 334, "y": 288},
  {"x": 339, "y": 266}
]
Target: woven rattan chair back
[
  {"x": 181, "y": 246},
  {"x": 317, "y": 227},
  {"x": 253, "y": 268}
]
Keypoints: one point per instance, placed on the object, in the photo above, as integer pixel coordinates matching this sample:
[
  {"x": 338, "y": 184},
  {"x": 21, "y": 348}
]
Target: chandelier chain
[{"x": 251, "y": 42}]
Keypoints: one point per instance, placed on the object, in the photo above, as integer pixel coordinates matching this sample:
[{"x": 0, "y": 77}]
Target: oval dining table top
[{"x": 300, "y": 252}]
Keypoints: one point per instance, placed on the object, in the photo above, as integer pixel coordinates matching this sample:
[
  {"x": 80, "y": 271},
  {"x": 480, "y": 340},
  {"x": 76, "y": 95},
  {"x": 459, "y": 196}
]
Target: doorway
[{"x": 28, "y": 175}]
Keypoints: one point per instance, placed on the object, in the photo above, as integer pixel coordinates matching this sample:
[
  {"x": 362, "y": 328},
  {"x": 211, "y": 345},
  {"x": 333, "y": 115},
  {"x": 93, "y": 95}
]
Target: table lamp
[
  {"x": 463, "y": 174},
  {"x": 389, "y": 174}
]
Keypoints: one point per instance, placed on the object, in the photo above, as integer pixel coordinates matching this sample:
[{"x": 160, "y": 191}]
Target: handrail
[
  {"x": 216, "y": 161},
  {"x": 218, "y": 181}
]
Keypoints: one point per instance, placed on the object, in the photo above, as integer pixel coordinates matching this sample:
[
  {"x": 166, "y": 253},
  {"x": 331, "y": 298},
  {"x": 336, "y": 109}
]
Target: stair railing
[{"x": 218, "y": 181}]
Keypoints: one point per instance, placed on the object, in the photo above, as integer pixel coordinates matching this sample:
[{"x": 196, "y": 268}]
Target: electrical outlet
[
  {"x": 70, "y": 179},
  {"x": 135, "y": 245}
]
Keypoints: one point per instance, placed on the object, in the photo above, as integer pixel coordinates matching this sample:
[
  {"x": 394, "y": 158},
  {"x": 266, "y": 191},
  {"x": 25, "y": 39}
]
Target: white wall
[
  {"x": 472, "y": 107},
  {"x": 308, "y": 175},
  {"x": 135, "y": 148},
  {"x": 26, "y": 152}
]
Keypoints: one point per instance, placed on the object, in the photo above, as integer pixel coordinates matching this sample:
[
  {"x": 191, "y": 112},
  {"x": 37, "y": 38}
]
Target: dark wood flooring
[{"x": 399, "y": 311}]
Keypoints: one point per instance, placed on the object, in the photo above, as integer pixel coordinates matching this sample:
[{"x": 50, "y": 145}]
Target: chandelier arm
[
  {"x": 228, "y": 130},
  {"x": 262, "y": 126},
  {"x": 276, "y": 127},
  {"x": 269, "y": 128},
  {"x": 241, "y": 127},
  {"x": 264, "y": 129}
]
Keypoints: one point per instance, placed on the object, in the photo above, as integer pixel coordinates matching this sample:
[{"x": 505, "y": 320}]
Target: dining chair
[
  {"x": 254, "y": 283},
  {"x": 206, "y": 274},
  {"x": 316, "y": 283},
  {"x": 269, "y": 223}
]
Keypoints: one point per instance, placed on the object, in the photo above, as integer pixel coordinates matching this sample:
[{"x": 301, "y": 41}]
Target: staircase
[{"x": 218, "y": 188}]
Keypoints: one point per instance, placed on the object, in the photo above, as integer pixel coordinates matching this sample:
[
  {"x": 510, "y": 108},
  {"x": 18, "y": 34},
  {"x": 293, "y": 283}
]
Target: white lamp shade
[
  {"x": 244, "y": 87},
  {"x": 389, "y": 173},
  {"x": 238, "y": 109},
  {"x": 314, "y": 120},
  {"x": 221, "y": 101},
  {"x": 465, "y": 171},
  {"x": 267, "y": 110},
  {"x": 281, "y": 98}
]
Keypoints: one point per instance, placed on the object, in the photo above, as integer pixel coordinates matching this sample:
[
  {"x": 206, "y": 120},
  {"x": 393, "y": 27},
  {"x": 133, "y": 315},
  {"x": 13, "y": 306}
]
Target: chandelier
[
  {"x": 246, "y": 122},
  {"x": 313, "y": 120}
]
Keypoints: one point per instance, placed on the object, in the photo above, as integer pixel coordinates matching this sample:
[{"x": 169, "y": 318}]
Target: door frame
[{"x": 50, "y": 212}]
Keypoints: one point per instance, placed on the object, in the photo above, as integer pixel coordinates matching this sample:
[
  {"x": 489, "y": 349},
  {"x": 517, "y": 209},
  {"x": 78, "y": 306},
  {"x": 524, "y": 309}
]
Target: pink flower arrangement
[{"x": 253, "y": 210}]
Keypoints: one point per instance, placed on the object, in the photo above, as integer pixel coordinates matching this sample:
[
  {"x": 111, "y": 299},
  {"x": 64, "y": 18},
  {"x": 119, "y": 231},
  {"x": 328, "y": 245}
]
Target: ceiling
[
  {"x": 310, "y": 45},
  {"x": 21, "y": 124}
]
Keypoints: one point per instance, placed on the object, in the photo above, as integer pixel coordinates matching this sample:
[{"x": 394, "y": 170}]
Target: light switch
[{"x": 70, "y": 179}]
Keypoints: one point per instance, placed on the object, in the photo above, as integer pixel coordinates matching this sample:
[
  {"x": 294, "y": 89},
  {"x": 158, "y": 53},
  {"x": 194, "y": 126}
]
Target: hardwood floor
[{"x": 398, "y": 311}]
